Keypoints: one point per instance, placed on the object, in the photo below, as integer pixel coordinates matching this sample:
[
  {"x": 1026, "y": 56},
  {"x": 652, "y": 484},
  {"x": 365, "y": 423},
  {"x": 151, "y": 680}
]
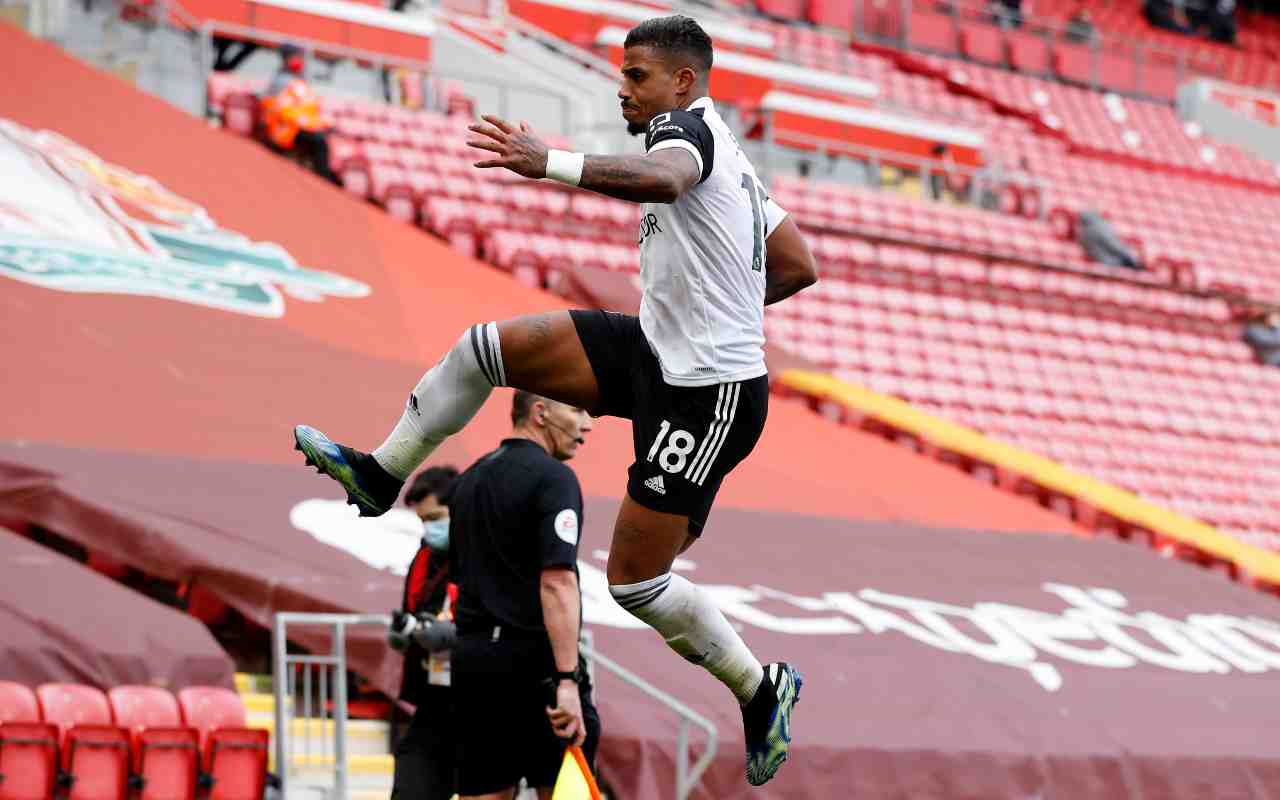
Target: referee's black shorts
[
  {"x": 686, "y": 438},
  {"x": 500, "y": 711}
]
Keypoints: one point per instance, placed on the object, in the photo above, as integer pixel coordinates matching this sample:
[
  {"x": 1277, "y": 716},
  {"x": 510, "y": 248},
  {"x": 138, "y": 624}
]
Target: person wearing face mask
[
  {"x": 521, "y": 695},
  {"x": 425, "y": 755}
]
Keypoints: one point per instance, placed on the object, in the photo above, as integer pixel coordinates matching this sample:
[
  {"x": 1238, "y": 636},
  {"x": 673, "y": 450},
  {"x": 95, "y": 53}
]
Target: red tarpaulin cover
[
  {"x": 163, "y": 337},
  {"x": 62, "y": 621}
]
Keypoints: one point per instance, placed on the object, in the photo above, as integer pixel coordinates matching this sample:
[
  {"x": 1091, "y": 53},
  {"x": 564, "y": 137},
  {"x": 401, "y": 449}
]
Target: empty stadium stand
[
  {"x": 998, "y": 320},
  {"x": 165, "y": 755},
  {"x": 993, "y": 318},
  {"x": 234, "y": 756},
  {"x": 137, "y": 741},
  {"x": 28, "y": 746}
]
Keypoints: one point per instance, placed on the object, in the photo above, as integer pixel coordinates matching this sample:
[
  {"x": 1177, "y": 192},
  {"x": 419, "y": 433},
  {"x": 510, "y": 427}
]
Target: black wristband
[{"x": 566, "y": 676}]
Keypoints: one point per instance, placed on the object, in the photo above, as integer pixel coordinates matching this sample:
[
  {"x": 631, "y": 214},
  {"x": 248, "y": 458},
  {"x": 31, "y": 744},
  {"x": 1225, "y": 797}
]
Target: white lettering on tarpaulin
[
  {"x": 1093, "y": 631},
  {"x": 1096, "y": 628}
]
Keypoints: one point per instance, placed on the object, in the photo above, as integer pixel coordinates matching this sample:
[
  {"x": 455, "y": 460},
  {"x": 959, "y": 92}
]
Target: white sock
[
  {"x": 695, "y": 628},
  {"x": 445, "y": 400}
]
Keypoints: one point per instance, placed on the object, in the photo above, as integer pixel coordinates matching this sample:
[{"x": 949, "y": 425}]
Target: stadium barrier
[
  {"x": 310, "y": 697},
  {"x": 687, "y": 776},
  {"x": 320, "y": 697},
  {"x": 1096, "y": 505},
  {"x": 1150, "y": 70}
]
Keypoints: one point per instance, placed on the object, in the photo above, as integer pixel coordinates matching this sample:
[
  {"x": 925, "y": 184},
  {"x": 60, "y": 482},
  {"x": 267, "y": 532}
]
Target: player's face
[{"x": 649, "y": 87}]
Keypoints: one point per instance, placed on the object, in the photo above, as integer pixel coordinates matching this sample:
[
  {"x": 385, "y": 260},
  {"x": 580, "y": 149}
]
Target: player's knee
[
  {"x": 481, "y": 349},
  {"x": 640, "y": 597}
]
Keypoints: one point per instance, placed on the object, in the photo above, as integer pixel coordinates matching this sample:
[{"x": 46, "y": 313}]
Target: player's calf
[{"x": 445, "y": 400}]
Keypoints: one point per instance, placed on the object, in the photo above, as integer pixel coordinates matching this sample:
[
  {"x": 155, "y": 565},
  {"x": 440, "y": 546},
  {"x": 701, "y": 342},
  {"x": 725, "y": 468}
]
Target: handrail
[
  {"x": 1141, "y": 52},
  {"x": 283, "y": 689},
  {"x": 1009, "y": 176},
  {"x": 586, "y": 58},
  {"x": 925, "y": 166},
  {"x": 210, "y": 26},
  {"x": 686, "y": 777}
]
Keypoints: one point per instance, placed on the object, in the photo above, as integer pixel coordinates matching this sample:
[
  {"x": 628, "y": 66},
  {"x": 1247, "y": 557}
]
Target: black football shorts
[{"x": 686, "y": 438}]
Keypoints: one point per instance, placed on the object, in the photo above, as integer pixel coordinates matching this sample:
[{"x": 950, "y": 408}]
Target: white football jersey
[{"x": 702, "y": 257}]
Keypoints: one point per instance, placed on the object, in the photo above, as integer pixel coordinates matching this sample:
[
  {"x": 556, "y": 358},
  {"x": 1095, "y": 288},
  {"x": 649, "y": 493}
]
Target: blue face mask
[{"x": 435, "y": 533}]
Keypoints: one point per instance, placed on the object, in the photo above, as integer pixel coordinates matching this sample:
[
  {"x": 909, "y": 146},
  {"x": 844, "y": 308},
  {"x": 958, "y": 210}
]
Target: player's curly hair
[{"x": 674, "y": 34}]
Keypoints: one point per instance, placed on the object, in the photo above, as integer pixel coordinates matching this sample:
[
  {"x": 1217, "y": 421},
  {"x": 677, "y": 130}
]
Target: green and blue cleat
[
  {"x": 767, "y": 721},
  {"x": 369, "y": 487}
]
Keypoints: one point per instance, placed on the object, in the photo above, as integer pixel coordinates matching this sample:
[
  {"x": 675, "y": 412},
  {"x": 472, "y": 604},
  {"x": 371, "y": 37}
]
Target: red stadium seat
[
  {"x": 235, "y": 757},
  {"x": 28, "y": 747},
  {"x": 1028, "y": 52},
  {"x": 165, "y": 752},
  {"x": 789, "y": 10},
  {"x": 836, "y": 14},
  {"x": 343, "y": 151},
  {"x": 18, "y": 703},
  {"x": 982, "y": 43},
  {"x": 389, "y": 185},
  {"x": 1118, "y": 71},
  {"x": 70, "y": 704},
  {"x": 95, "y": 759},
  {"x": 94, "y": 752},
  {"x": 240, "y": 113},
  {"x": 932, "y": 31},
  {"x": 1073, "y": 62},
  {"x": 28, "y": 759},
  {"x": 1159, "y": 80}
]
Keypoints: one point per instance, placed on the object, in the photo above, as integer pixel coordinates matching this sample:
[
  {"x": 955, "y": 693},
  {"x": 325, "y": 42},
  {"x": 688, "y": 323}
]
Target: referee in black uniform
[{"x": 516, "y": 517}]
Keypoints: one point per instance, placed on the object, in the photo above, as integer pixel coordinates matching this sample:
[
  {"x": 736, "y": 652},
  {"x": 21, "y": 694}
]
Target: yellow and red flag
[{"x": 575, "y": 781}]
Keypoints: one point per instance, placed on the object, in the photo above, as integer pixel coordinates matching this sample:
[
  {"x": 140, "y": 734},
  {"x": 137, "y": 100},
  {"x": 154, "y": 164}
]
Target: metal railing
[
  {"x": 313, "y": 688},
  {"x": 687, "y": 776},
  {"x": 872, "y": 22},
  {"x": 970, "y": 184},
  {"x": 504, "y": 89},
  {"x": 294, "y": 694}
]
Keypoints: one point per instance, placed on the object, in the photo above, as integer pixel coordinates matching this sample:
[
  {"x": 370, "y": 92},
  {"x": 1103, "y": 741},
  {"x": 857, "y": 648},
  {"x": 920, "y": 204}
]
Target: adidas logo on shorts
[{"x": 655, "y": 483}]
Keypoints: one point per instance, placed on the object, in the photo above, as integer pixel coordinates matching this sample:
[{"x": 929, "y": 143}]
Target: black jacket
[{"x": 425, "y": 587}]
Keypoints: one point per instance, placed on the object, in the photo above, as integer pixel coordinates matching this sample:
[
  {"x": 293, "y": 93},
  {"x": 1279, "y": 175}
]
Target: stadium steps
[
  {"x": 370, "y": 773},
  {"x": 364, "y": 737},
  {"x": 371, "y": 768}
]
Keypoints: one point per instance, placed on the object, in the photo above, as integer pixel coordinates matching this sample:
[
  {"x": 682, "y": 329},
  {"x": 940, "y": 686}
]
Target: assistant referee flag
[{"x": 575, "y": 781}]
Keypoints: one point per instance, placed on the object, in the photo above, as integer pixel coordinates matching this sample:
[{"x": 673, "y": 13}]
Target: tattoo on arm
[
  {"x": 657, "y": 178},
  {"x": 540, "y": 332}
]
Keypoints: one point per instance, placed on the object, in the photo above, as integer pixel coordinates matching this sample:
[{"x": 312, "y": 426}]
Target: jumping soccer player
[{"x": 689, "y": 372}]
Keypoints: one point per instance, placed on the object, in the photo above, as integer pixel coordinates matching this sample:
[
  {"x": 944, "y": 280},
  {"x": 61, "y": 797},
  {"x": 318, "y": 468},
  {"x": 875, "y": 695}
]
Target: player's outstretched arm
[
  {"x": 788, "y": 266},
  {"x": 658, "y": 177}
]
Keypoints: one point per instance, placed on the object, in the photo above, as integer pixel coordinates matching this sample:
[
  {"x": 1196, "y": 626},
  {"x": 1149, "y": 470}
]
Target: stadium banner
[{"x": 937, "y": 662}]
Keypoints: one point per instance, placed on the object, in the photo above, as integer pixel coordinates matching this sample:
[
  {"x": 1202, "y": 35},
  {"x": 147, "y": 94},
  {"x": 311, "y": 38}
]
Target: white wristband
[{"x": 565, "y": 167}]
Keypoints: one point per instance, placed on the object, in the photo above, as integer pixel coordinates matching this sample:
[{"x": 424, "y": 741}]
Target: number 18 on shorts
[{"x": 689, "y": 439}]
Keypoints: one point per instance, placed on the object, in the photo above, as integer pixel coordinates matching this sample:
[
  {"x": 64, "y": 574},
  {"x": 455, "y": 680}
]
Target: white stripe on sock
[{"x": 495, "y": 352}]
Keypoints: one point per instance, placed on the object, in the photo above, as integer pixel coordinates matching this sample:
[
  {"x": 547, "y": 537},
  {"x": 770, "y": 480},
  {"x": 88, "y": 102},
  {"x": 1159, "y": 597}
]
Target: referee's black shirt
[{"x": 512, "y": 514}]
